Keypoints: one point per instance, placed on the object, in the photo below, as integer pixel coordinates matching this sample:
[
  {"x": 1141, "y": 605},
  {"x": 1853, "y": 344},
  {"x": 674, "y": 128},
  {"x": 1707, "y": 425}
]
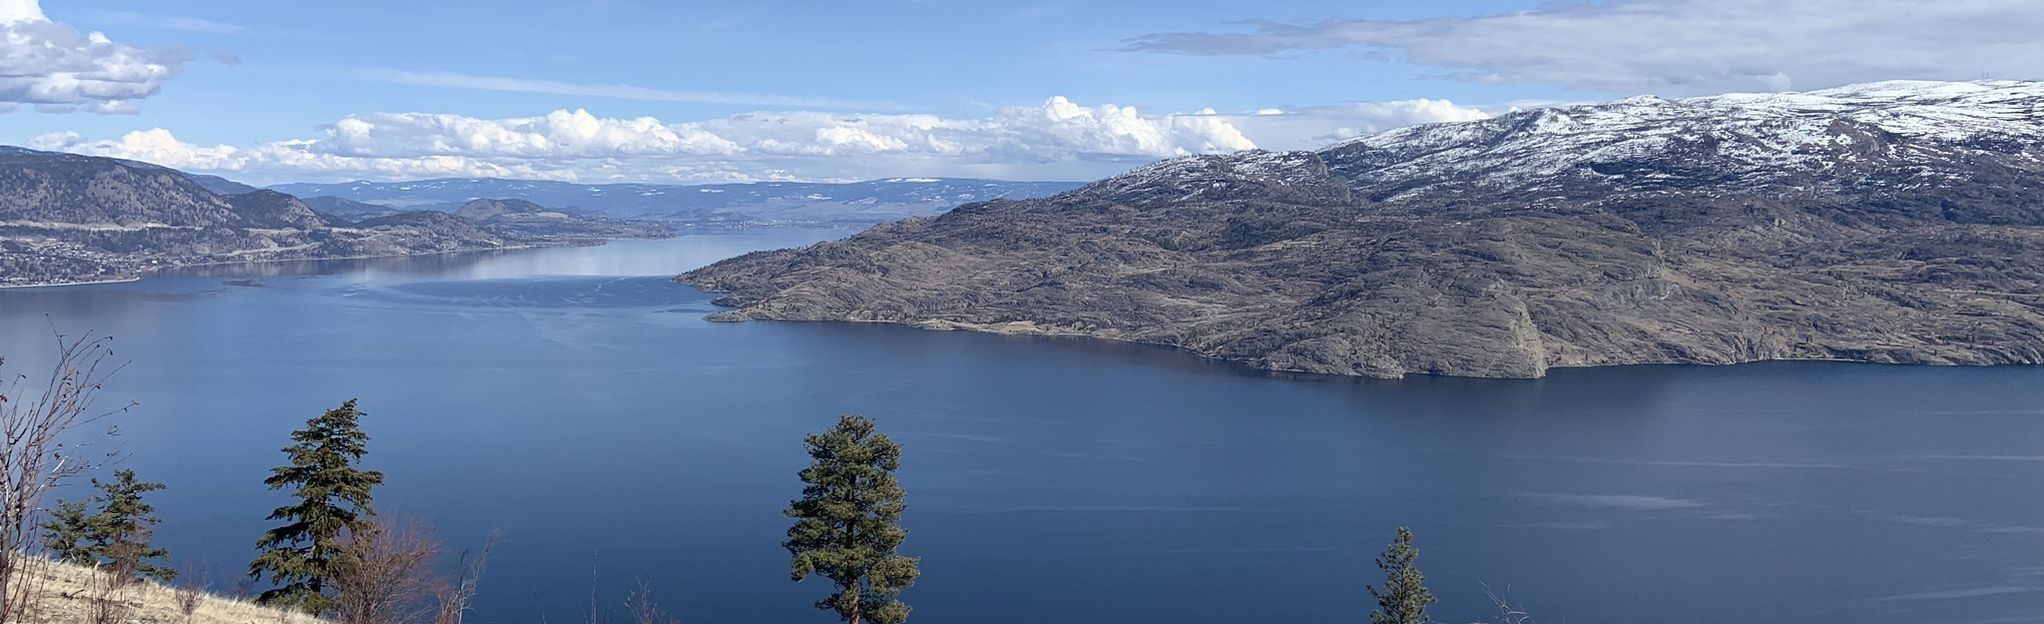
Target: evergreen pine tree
[
  {"x": 111, "y": 530},
  {"x": 1404, "y": 599},
  {"x": 302, "y": 556},
  {"x": 68, "y": 533},
  {"x": 121, "y": 530},
  {"x": 847, "y": 523}
]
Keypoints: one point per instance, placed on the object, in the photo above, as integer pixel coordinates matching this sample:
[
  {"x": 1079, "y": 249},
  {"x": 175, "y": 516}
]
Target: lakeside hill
[
  {"x": 1893, "y": 222},
  {"x": 64, "y": 592},
  {"x": 761, "y": 203},
  {"x": 70, "y": 218},
  {"x": 530, "y": 221}
]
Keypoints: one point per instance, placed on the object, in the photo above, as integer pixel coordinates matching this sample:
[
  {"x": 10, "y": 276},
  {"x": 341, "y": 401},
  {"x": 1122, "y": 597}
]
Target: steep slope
[
  {"x": 70, "y": 218},
  {"x": 271, "y": 209},
  {"x": 67, "y": 189},
  {"x": 219, "y": 185},
  {"x": 63, "y": 592},
  {"x": 1892, "y": 222}
]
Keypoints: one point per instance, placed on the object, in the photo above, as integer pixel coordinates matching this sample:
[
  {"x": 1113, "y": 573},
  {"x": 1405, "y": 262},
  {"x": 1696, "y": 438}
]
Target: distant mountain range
[
  {"x": 73, "y": 218},
  {"x": 70, "y": 218},
  {"x": 767, "y": 203},
  {"x": 1893, "y": 222}
]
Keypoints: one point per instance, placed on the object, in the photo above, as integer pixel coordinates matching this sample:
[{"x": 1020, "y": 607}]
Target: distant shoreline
[
  {"x": 137, "y": 278},
  {"x": 590, "y": 242},
  {"x": 117, "y": 280}
]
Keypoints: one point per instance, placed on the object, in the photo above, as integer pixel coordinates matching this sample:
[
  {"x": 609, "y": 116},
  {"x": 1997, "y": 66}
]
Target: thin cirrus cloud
[
  {"x": 164, "y": 22},
  {"x": 456, "y": 80},
  {"x": 56, "y": 68},
  {"x": 1674, "y": 47},
  {"x": 1058, "y": 139}
]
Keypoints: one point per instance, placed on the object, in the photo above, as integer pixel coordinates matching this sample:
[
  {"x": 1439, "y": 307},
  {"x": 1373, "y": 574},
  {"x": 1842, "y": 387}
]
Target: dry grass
[{"x": 71, "y": 594}]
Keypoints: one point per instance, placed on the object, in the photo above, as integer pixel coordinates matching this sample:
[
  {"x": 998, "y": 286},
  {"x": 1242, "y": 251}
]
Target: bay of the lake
[{"x": 577, "y": 399}]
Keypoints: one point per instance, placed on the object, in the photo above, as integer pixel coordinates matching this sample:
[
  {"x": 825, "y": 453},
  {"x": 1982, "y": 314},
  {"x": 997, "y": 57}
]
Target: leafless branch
[
  {"x": 455, "y": 597},
  {"x": 39, "y": 445},
  {"x": 386, "y": 573},
  {"x": 1508, "y": 613},
  {"x": 641, "y": 608}
]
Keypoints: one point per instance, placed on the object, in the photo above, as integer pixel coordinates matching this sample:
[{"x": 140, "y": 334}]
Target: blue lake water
[{"x": 576, "y": 399}]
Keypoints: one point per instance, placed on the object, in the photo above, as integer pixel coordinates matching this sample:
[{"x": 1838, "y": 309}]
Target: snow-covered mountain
[
  {"x": 1889, "y": 222},
  {"x": 1898, "y": 135}
]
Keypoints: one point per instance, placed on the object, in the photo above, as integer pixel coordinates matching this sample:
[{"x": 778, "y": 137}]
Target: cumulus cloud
[
  {"x": 1316, "y": 126},
  {"x": 1677, "y": 47},
  {"x": 1058, "y": 139},
  {"x": 56, "y": 68}
]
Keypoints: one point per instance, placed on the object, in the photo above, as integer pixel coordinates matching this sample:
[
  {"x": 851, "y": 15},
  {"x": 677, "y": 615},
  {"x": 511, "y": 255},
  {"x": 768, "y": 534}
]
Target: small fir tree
[
  {"x": 68, "y": 533},
  {"x": 1404, "y": 599},
  {"x": 112, "y": 530},
  {"x": 122, "y": 528},
  {"x": 333, "y": 493},
  {"x": 847, "y": 523}
]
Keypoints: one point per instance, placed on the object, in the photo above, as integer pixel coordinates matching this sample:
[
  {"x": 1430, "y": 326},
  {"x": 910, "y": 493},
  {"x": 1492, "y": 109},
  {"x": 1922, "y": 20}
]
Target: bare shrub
[
  {"x": 105, "y": 600},
  {"x": 639, "y": 606},
  {"x": 38, "y": 451},
  {"x": 385, "y": 573},
  {"x": 596, "y": 614},
  {"x": 26, "y": 592},
  {"x": 454, "y": 597},
  {"x": 190, "y": 592},
  {"x": 1508, "y": 612}
]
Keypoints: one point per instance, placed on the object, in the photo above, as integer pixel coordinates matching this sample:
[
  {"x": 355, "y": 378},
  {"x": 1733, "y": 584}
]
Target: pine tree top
[{"x": 847, "y": 522}]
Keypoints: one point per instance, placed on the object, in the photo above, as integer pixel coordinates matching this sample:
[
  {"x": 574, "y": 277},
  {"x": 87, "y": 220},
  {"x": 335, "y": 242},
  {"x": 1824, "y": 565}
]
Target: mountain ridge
[
  {"x": 68, "y": 218},
  {"x": 765, "y": 203},
  {"x": 1888, "y": 222}
]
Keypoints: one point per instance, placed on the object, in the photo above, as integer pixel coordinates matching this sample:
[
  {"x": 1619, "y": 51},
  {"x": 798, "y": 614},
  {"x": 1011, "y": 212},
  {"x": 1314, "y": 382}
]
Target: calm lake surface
[{"x": 576, "y": 398}]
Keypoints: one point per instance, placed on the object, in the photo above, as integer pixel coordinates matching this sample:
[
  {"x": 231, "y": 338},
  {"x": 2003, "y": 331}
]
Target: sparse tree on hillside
[
  {"x": 1404, "y": 599},
  {"x": 67, "y": 534},
  {"x": 113, "y": 530},
  {"x": 122, "y": 528},
  {"x": 301, "y": 557},
  {"x": 847, "y": 523},
  {"x": 42, "y": 445}
]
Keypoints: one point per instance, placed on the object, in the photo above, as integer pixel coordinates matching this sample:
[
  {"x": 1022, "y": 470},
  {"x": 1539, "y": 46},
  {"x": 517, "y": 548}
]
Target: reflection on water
[{"x": 575, "y": 398}]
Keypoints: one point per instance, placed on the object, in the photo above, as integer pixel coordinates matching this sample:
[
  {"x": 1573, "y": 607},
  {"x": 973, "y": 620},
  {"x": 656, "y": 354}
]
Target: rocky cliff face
[{"x": 1891, "y": 222}]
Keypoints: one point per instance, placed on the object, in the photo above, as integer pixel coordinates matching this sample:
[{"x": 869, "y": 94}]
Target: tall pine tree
[
  {"x": 302, "y": 556},
  {"x": 847, "y": 523},
  {"x": 1404, "y": 599}
]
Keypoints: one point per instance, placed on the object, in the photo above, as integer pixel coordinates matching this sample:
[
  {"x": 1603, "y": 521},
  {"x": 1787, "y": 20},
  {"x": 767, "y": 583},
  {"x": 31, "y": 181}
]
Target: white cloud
[
  {"x": 560, "y": 134},
  {"x": 56, "y": 68},
  {"x": 1678, "y": 47},
  {"x": 1316, "y": 126},
  {"x": 1059, "y": 139}
]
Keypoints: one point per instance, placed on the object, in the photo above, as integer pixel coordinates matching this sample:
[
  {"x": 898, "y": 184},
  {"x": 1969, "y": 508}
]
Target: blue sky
[{"x": 674, "y": 91}]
